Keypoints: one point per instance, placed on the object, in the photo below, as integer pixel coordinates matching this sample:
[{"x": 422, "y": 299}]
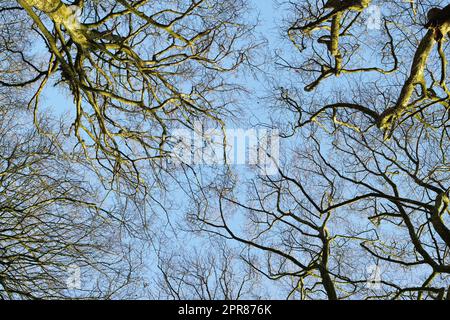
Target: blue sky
[
  {"x": 257, "y": 109},
  {"x": 61, "y": 103},
  {"x": 56, "y": 99}
]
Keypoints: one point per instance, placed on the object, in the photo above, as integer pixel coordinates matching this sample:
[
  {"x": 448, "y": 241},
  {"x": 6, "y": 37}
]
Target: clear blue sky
[{"x": 61, "y": 103}]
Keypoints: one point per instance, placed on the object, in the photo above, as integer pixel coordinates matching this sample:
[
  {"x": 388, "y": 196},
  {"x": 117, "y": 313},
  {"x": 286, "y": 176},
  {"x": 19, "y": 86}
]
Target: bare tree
[
  {"x": 354, "y": 211},
  {"x": 135, "y": 69},
  {"x": 216, "y": 273},
  {"x": 348, "y": 43},
  {"x": 56, "y": 238},
  {"x": 358, "y": 208}
]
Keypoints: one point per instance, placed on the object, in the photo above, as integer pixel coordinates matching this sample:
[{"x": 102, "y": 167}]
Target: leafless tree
[
  {"x": 360, "y": 205},
  {"x": 215, "y": 273},
  {"x": 135, "y": 69},
  {"x": 56, "y": 238}
]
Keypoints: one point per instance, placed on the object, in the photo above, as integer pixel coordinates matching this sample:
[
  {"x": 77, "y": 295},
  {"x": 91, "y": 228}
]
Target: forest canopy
[{"x": 347, "y": 99}]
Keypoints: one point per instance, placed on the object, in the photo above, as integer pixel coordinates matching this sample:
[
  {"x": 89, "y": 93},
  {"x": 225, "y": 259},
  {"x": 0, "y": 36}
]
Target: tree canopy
[{"x": 358, "y": 206}]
